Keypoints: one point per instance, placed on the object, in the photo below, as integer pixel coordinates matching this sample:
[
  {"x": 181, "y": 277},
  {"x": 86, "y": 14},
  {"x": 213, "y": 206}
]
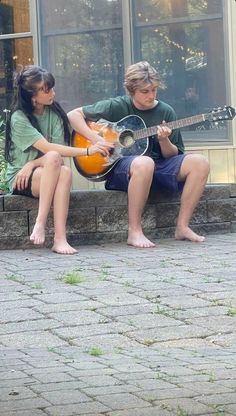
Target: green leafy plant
[
  {"x": 3, "y": 163},
  {"x": 72, "y": 278},
  {"x": 231, "y": 311},
  {"x": 96, "y": 351}
]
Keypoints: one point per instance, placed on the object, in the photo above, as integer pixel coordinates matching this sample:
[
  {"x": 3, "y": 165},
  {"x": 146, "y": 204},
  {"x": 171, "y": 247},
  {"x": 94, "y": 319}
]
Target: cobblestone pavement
[{"x": 120, "y": 331}]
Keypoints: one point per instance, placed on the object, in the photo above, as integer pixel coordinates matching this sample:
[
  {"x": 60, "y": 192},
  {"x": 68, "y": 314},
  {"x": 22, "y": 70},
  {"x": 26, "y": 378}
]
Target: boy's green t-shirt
[
  {"x": 24, "y": 135},
  {"x": 114, "y": 109}
]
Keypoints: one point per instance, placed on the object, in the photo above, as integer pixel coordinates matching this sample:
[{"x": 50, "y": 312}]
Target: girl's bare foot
[
  {"x": 138, "y": 239},
  {"x": 63, "y": 247},
  {"x": 38, "y": 235},
  {"x": 187, "y": 234}
]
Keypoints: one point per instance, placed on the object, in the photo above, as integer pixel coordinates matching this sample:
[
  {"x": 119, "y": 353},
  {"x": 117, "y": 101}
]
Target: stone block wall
[{"x": 99, "y": 216}]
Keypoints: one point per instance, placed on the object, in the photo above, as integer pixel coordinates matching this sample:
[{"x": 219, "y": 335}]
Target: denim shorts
[{"x": 164, "y": 177}]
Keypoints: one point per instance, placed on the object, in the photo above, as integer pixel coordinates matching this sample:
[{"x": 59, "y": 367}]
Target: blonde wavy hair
[{"x": 141, "y": 74}]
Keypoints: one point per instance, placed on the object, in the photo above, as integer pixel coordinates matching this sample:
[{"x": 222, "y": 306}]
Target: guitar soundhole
[{"x": 126, "y": 138}]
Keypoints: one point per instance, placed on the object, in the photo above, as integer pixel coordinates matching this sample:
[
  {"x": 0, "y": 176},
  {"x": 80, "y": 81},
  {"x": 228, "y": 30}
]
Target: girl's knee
[
  {"x": 54, "y": 158},
  {"x": 66, "y": 174}
]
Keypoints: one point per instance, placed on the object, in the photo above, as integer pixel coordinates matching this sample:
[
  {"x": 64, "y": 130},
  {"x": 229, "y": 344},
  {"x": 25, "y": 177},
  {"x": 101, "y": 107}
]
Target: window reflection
[
  {"x": 151, "y": 10},
  {"x": 82, "y": 45},
  {"x": 14, "y": 16},
  {"x": 186, "y": 53},
  {"x": 78, "y": 14},
  {"x": 87, "y": 67},
  {"x": 14, "y": 53}
]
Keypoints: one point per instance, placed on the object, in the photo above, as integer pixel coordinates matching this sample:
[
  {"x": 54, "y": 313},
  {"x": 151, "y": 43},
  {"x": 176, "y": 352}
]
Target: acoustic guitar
[{"x": 130, "y": 137}]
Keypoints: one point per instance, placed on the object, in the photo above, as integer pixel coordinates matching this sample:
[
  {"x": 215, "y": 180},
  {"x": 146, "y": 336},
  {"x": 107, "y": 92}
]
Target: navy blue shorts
[{"x": 164, "y": 178}]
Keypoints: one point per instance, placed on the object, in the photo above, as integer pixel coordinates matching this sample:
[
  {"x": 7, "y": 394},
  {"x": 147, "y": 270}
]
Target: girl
[{"x": 37, "y": 139}]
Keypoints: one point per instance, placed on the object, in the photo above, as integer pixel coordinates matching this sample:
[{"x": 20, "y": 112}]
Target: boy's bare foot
[
  {"x": 138, "y": 239},
  {"x": 63, "y": 247},
  {"x": 38, "y": 235},
  {"x": 187, "y": 234}
]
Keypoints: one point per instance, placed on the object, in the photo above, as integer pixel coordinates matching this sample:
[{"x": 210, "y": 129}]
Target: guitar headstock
[{"x": 220, "y": 114}]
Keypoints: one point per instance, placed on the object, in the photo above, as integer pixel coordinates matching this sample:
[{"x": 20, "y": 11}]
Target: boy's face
[{"x": 145, "y": 97}]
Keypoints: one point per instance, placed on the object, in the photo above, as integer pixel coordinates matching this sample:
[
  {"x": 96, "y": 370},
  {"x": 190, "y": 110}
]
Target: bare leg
[
  {"x": 194, "y": 170},
  {"x": 43, "y": 185},
  {"x": 141, "y": 172},
  {"x": 60, "y": 210}
]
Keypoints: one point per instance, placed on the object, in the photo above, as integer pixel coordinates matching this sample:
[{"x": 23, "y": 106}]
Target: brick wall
[{"x": 99, "y": 216}]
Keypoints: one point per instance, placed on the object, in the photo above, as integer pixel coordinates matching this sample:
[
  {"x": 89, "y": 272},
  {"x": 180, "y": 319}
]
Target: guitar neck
[{"x": 149, "y": 131}]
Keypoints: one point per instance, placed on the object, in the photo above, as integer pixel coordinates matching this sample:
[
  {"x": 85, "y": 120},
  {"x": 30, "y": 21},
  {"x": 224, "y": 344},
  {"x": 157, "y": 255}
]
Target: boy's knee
[
  {"x": 143, "y": 164},
  {"x": 198, "y": 163},
  {"x": 203, "y": 164}
]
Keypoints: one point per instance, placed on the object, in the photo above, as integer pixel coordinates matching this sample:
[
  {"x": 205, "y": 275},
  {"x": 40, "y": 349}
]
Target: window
[
  {"x": 184, "y": 40},
  {"x": 15, "y": 45},
  {"x": 82, "y": 44}
]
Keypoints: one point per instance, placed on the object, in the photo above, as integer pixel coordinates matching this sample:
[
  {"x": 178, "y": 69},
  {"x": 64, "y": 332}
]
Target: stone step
[{"x": 99, "y": 216}]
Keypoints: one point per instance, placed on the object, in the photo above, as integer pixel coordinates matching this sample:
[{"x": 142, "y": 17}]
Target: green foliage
[
  {"x": 231, "y": 311},
  {"x": 3, "y": 163},
  {"x": 73, "y": 278},
  {"x": 96, "y": 351}
]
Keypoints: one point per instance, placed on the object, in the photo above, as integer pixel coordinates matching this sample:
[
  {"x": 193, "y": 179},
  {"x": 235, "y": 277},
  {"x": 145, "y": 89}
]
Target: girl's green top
[{"x": 24, "y": 135}]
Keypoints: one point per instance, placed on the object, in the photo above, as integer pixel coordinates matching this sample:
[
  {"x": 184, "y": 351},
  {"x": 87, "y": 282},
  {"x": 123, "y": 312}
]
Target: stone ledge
[{"x": 99, "y": 216}]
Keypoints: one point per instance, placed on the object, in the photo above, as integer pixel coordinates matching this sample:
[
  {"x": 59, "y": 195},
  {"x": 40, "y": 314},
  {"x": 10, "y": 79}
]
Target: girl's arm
[
  {"x": 67, "y": 151},
  {"x": 22, "y": 177}
]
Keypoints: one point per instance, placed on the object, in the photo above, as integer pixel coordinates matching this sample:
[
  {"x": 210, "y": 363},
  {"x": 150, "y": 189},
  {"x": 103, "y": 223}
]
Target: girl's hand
[
  {"x": 100, "y": 147},
  {"x": 22, "y": 177}
]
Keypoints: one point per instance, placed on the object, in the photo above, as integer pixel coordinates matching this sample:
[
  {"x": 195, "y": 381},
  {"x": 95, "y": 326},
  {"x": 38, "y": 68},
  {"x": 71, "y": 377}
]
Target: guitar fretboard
[{"x": 149, "y": 131}]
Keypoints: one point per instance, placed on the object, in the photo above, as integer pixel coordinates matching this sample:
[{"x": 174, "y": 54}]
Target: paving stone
[
  {"x": 88, "y": 349},
  {"x": 18, "y": 314},
  {"x": 122, "y": 401},
  {"x": 24, "y": 404},
  {"x": 106, "y": 342},
  {"x": 32, "y": 325},
  {"x": 31, "y": 339},
  {"x": 71, "y": 396},
  {"x": 153, "y": 411},
  {"x": 82, "y": 318},
  {"x": 37, "y": 412},
  {"x": 186, "y": 406},
  {"x": 83, "y": 409}
]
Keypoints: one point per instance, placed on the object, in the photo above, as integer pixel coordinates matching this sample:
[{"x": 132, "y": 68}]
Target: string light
[{"x": 177, "y": 45}]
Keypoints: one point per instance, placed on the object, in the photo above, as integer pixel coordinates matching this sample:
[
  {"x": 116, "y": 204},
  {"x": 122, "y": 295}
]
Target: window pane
[
  {"x": 84, "y": 50},
  {"x": 79, "y": 14},
  {"x": 14, "y": 16},
  {"x": 187, "y": 56},
  {"x": 151, "y": 10},
  {"x": 14, "y": 53}
]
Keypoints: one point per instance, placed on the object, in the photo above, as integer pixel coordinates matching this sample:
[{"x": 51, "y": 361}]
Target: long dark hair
[{"x": 26, "y": 87}]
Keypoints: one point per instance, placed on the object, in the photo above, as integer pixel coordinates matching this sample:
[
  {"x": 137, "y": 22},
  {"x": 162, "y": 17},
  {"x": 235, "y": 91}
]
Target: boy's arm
[{"x": 77, "y": 121}]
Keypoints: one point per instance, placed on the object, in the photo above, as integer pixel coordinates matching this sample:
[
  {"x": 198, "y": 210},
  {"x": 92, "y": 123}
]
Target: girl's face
[{"x": 43, "y": 96}]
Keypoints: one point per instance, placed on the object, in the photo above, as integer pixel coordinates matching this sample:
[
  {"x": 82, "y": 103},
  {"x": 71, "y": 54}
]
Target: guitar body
[
  {"x": 131, "y": 137},
  {"x": 97, "y": 167}
]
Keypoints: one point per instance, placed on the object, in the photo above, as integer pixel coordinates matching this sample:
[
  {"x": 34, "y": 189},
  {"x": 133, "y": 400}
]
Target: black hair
[{"x": 26, "y": 87}]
